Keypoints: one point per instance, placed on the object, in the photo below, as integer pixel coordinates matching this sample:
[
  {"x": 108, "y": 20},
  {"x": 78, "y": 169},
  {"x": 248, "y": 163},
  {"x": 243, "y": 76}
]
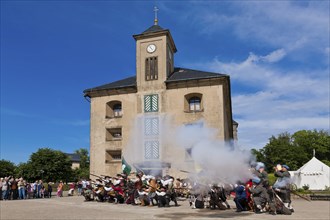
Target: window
[
  {"x": 113, "y": 134},
  {"x": 151, "y": 150},
  {"x": 194, "y": 104},
  {"x": 151, "y": 103},
  {"x": 112, "y": 156},
  {"x": 151, "y": 68},
  {"x": 151, "y": 126},
  {"x": 117, "y": 110},
  {"x": 113, "y": 109}
]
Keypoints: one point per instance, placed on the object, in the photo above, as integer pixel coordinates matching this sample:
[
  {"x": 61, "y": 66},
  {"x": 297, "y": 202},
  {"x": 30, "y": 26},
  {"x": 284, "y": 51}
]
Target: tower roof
[
  {"x": 155, "y": 31},
  {"x": 153, "y": 28}
]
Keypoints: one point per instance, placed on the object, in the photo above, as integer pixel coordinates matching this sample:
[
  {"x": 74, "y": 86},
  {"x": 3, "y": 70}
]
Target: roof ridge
[{"x": 126, "y": 82}]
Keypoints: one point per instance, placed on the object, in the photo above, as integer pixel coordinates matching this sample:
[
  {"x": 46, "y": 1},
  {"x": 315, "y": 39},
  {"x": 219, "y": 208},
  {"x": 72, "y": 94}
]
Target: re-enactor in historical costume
[
  {"x": 259, "y": 195},
  {"x": 282, "y": 184}
]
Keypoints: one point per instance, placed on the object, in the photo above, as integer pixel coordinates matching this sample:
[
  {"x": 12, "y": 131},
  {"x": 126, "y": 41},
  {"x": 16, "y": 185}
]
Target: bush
[
  {"x": 301, "y": 190},
  {"x": 271, "y": 178},
  {"x": 305, "y": 187}
]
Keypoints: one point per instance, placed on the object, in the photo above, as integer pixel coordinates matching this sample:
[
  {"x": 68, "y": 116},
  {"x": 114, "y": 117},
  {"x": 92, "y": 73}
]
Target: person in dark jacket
[
  {"x": 240, "y": 198},
  {"x": 49, "y": 189},
  {"x": 259, "y": 195}
]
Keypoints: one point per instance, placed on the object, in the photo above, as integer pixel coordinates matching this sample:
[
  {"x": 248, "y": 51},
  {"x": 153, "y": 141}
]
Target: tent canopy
[{"x": 314, "y": 173}]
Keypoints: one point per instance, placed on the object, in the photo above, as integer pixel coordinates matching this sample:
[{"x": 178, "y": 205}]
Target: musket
[
  {"x": 301, "y": 196},
  {"x": 294, "y": 192},
  {"x": 184, "y": 171},
  {"x": 96, "y": 175}
]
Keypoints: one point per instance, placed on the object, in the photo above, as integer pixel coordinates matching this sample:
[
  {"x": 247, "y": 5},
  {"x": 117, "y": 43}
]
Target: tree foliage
[
  {"x": 294, "y": 150},
  {"x": 49, "y": 165},
  {"x": 7, "y": 168},
  {"x": 83, "y": 170},
  {"x": 23, "y": 170},
  {"x": 84, "y": 157}
]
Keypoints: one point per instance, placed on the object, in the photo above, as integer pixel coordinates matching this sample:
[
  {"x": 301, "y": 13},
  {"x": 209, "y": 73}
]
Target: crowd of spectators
[{"x": 12, "y": 188}]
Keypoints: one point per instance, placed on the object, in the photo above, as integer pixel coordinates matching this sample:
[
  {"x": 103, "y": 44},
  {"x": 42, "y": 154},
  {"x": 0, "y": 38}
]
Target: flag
[
  {"x": 138, "y": 170},
  {"x": 126, "y": 168}
]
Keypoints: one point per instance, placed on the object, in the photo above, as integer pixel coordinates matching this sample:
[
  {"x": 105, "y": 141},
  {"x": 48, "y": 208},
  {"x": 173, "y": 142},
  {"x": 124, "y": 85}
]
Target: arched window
[
  {"x": 113, "y": 109},
  {"x": 194, "y": 104}
]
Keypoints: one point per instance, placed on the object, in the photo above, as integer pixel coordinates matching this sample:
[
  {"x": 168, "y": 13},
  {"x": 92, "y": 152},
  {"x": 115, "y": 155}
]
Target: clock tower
[{"x": 155, "y": 50}]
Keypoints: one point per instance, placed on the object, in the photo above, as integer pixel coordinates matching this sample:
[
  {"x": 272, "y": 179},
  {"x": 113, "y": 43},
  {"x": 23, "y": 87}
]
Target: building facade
[
  {"x": 75, "y": 160},
  {"x": 159, "y": 89}
]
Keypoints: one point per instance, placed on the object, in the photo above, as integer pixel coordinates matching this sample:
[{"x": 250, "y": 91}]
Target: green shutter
[
  {"x": 154, "y": 103},
  {"x": 151, "y": 103},
  {"x": 147, "y": 103}
]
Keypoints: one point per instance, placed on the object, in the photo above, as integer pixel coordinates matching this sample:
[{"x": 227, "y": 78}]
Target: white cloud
[
  {"x": 281, "y": 100},
  {"x": 255, "y": 133},
  {"x": 286, "y": 89},
  {"x": 297, "y": 28},
  {"x": 275, "y": 56}
]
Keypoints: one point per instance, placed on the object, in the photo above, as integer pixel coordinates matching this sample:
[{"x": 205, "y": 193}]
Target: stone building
[
  {"x": 75, "y": 160},
  {"x": 158, "y": 88}
]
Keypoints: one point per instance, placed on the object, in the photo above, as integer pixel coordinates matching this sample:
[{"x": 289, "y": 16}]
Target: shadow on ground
[{"x": 205, "y": 213}]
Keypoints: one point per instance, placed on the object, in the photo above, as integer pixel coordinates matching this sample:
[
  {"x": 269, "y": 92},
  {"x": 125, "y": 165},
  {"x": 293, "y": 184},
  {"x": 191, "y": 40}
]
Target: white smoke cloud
[{"x": 214, "y": 161}]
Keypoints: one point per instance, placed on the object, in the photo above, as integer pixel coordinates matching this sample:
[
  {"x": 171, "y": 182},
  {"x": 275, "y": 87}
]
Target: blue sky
[{"x": 276, "y": 52}]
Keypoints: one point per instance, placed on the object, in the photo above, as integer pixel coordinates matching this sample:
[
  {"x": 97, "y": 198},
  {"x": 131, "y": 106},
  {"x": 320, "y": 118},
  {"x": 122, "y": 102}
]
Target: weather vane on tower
[{"x": 156, "y": 19}]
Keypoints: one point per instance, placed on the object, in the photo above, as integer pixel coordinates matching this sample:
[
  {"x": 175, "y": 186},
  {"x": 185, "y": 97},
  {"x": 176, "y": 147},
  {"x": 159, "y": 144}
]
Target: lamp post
[{"x": 42, "y": 174}]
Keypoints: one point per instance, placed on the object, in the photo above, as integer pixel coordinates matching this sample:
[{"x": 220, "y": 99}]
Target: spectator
[
  {"x": 50, "y": 190},
  {"x": 21, "y": 188},
  {"x": 79, "y": 186},
  {"x": 39, "y": 189},
  {"x": 5, "y": 189},
  {"x": 60, "y": 189},
  {"x": 1, "y": 180},
  {"x": 14, "y": 188}
]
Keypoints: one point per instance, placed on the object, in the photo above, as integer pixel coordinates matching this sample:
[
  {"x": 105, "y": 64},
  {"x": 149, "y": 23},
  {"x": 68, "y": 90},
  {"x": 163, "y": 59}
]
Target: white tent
[{"x": 314, "y": 173}]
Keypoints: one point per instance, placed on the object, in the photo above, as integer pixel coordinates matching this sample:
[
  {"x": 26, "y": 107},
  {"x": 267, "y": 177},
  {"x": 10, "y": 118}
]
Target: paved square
[{"x": 76, "y": 208}]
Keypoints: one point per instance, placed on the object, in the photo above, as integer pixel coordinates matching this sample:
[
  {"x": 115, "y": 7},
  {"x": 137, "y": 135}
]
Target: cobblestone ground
[{"x": 75, "y": 208}]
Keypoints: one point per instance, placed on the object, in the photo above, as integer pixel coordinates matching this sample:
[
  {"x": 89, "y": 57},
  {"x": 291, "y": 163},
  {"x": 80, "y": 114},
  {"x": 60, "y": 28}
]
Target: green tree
[
  {"x": 24, "y": 170},
  {"x": 259, "y": 154},
  {"x": 313, "y": 140},
  {"x": 294, "y": 150},
  {"x": 49, "y": 165},
  {"x": 83, "y": 170},
  {"x": 84, "y": 157},
  {"x": 7, "y": 168}
]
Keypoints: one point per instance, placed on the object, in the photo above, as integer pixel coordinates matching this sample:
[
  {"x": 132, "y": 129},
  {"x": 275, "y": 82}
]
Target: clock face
[{"x": 151, "y": 48}]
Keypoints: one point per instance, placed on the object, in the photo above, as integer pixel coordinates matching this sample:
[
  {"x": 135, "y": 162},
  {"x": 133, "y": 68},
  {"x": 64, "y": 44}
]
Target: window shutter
[
  {"x": 147, "y": 103},
  {"x": 151, "y": 126},
  {"x": 154, "y": 103},
  {"x": 151, "y": 150},
  {"x": 151, "y": 103}
]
